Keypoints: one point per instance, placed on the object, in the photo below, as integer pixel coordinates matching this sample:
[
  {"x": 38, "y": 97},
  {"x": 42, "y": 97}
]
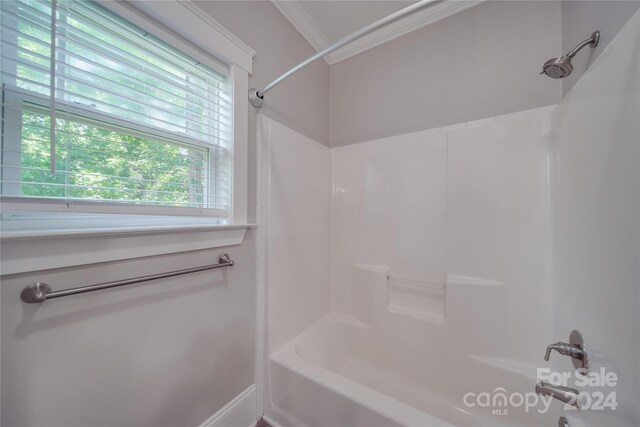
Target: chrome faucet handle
[
  {"x": 550, "y": 347},
  {"x": 573, "y": 350}
]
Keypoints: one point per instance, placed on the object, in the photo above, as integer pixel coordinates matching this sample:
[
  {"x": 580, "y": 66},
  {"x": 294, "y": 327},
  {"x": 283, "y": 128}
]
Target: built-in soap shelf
[
  {"x": 459, "y": 280},
  {"x": 422, "y": 300},
  {"x": 374, "y": 289}
]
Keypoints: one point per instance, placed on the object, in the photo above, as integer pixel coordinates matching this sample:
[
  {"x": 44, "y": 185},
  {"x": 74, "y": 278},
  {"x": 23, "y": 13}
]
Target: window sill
[
  {"x": 34, "y": 249},
  {"x": 106, "y": 231}
]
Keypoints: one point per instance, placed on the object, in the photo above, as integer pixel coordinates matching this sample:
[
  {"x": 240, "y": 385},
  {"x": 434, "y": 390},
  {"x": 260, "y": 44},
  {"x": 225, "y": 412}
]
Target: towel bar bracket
[{"x": 35, "y": 292}]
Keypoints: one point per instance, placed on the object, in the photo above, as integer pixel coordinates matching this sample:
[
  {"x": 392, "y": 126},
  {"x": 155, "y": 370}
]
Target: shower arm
[
  {"x": 593, "y": 40},
  {"x": 256, "y": 96}
]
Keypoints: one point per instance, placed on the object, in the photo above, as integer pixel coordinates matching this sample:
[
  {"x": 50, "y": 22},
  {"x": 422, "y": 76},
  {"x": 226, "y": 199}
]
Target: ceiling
[{"x": 323, "y": 22}]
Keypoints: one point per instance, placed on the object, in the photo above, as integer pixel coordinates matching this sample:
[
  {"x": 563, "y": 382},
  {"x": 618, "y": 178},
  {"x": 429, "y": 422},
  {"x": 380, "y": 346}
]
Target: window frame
[
  {"x": 16, "y": 98},
  {"x": 208, "y": 42},
  {"x": 185, "y": 26}
]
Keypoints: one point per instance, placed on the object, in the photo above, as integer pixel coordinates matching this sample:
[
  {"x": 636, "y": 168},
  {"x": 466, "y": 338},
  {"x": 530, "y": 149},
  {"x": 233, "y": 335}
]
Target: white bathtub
[{"x": 341, "y": 372}]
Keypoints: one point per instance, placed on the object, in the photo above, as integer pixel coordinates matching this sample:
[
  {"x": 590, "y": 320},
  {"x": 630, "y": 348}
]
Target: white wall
[
  {"x": 596, "y": 211},
  {"x": 482, "y": 62},
  {"x": 169, "y": 352}
]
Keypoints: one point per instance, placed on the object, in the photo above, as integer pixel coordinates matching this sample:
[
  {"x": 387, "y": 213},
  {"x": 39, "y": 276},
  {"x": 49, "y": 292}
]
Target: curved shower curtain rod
[{"x": 257, "y": 96}]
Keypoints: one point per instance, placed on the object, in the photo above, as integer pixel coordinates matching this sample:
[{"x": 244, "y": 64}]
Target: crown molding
[{"x": 304, "y": 23}]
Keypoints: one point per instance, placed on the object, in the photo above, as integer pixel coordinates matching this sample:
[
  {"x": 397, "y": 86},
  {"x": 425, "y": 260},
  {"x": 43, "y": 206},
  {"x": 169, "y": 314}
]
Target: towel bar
[{"x": 40, "y": 291}]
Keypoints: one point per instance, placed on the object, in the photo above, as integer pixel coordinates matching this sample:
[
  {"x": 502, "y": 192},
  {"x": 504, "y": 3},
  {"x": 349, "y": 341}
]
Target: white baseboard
[{"x": 240, "y": 412}]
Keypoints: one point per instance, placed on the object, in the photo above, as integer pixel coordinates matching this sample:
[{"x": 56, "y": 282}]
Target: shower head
[{"x": 558, "y": 68}]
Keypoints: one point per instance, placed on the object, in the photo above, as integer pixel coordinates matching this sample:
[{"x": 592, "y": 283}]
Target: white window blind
[{"x": 133, "y": 122}]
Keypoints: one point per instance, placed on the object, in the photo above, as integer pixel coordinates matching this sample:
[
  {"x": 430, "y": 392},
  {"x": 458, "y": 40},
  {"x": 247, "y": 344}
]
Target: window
[{"x": 118, "y": 118}]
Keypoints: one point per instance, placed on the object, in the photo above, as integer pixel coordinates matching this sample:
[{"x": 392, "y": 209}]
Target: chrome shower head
[{"x": 558, "y": 68}]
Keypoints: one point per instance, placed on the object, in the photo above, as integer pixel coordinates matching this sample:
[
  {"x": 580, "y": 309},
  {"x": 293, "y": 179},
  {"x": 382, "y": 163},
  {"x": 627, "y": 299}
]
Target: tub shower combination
[
  {"x": 410, "y": 280},
  {"x": 409, "y": 341}
]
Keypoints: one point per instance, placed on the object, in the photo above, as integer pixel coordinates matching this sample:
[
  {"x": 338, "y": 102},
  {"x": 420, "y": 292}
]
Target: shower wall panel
[
  {"x": 294, "y": 208},
  {"x": 460, "y": 211}
]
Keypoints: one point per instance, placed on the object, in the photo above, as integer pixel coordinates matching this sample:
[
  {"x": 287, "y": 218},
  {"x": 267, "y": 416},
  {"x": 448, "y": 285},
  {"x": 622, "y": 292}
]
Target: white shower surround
[{"x": 405, "y": 257}]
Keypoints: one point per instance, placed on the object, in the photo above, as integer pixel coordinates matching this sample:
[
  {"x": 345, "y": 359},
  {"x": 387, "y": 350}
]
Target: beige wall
[
  {"x": 171, "y": 352},
  {"x": 301, "y": 102},
  {"x": 479, "y": 63}
]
